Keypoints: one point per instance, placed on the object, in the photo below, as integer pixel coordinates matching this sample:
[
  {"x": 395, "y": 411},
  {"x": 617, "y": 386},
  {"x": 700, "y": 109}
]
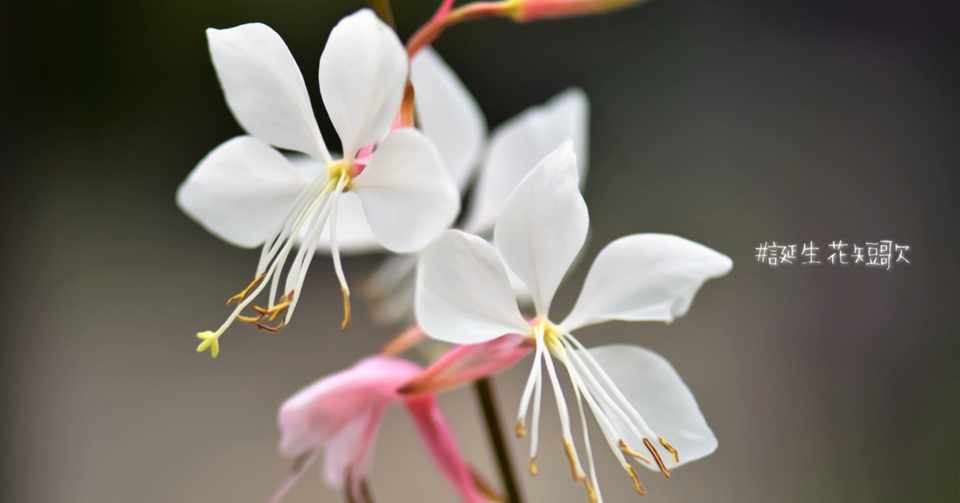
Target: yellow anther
[
  {"x": 271, "y": 313},
  {"x": 670, "y": 448},
  {"x": 520, "y": 429},
  {"x": 249, "y": 319},
  {"x": 591, "y": 492},
  {"x": 271, "y": 328},
  {"x": 242, "y": 294},
  {"x": 345, "y": 293},
  {"x": 637, "y": 485},
  {"x": 656, "y": 457},
  {"x": 575, "y": 471},
  {"x": 534, "y": 469},
  {"x": 629, "y": 452},
  {"x": 209, "y": 340}
]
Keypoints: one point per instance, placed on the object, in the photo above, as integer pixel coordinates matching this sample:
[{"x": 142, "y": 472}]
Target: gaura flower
[
  {"x": 514, "y": 148},
  {"x": 639, "y": 402},
  {"x": 341, "y": 415},
  {"x": 249, "y": 194}
]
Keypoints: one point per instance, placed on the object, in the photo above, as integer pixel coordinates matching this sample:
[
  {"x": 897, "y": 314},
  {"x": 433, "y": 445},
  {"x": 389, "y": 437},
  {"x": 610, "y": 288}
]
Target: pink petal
[
  {"x": 439, "y": 438},
  {"x": 313, "y": 416},
  {"x": 347, "y": 455},
  {"x": 465, "y": 364},
  {"x": 300, "y": 466}
]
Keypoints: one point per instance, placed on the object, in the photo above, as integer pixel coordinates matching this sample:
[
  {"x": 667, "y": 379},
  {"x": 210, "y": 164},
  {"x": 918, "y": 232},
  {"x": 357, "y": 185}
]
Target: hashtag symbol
[{"x": 762, "y": 252}]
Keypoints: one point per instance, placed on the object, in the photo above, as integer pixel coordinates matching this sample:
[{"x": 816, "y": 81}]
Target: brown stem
[
  {"x": 488, "y": 403},
  {"x": 382, "y": 8}
]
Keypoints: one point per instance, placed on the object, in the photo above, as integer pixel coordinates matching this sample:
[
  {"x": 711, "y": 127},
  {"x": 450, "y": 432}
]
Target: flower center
[
  {"x": 342, "y": 169},
  {"x": 552, "y": 334}
]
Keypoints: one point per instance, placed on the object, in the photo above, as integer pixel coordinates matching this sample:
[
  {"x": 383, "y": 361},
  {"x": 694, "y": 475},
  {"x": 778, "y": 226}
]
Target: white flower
[
  {"x": 450, "y": 116},
  {"x": 248, "y": 194},
  {"x": 464, "y": 296}
]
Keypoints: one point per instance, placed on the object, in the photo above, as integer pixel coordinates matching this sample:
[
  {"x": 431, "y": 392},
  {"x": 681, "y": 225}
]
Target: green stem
[{"x": 488, "y": 403}]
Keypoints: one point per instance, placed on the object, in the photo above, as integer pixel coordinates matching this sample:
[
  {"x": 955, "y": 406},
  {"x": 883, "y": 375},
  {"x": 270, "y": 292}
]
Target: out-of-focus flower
[
  {"x": 532, "y": 10},
  {"x": 449, "y": 116},
  {"x": 519, "y": 144},
  {"x": 340, "y": 416},
  {"x": 464, "y": 296},
  {"x": 248, "y": 194}
]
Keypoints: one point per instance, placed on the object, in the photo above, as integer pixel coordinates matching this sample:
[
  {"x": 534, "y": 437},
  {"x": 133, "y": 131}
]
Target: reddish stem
[{"x": 445, "y": 18}]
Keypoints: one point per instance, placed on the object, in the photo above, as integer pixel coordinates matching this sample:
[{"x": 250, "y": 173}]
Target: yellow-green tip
[{"x": 209, "y": 340}]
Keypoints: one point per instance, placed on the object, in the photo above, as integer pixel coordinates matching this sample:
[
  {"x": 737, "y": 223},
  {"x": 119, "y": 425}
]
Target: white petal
[
  {"x": 353, "y": 232},
  {"x": 448, "y": 114},
  {"x": 394, "y": 272},
  {"x": 463, "y": 294},
  {"x": 391, "y": 289},
  {"x": 658, "y": 394},
  {"x": 645, "y": 277},
  {"x": 543, "y": 226},
  {"x": 407, "y": 196},
  {"x": 241, "y": 191},
  {"x": 517, "y": 146},
  {"x": 264, "y": 87},
  {"x": 363, "y": 70},
  {"x": 311, "y": 167}
]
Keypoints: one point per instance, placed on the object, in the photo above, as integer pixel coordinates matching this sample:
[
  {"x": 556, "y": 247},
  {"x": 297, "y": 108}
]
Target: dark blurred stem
[
  {"x": 382, "y": 7},
  {"x": 488, "y": 403}
]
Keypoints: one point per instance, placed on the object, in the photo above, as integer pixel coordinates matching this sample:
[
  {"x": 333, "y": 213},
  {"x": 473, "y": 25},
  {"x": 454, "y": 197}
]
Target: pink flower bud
[{"x": 531, "y": 10}]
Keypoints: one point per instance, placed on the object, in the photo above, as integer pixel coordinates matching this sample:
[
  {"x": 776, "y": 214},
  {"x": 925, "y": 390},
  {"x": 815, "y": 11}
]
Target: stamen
[
  {"x": 242, "y": 294},
  {"x": 610, "y": 386},
  {"x": 249, "y": 319},
  {"x": 272, "y": 312},
  {"x": 273, "y": 329},
  {"x": 534, "y": 469},
  {"x": 627, "y": 451},
  {"x": 343, "y": 181},
  {"x": 535, "y": 414},
  {"x": 637, "y": 485},
  {"x": 588, "y": 483},
  {"x": 562, "y": 410},
  {"x": 345, "y": 294},
  {"x": 673, "y": 450},
  {"x": 533, "y": 390},
  {"x": 575, "y": 469},
  {"x": 610, "y": 432},
  {"x": 310, "y": 203},
  {"x": 308, "y": 249},
  {"x": 520, "y": 429},
  {"x": 591, "y": 492},
  {"x": 656, "y": 457},
  {"x": 532, "y": 379}
]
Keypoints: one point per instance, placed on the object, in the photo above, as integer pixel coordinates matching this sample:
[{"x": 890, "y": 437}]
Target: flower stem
[
  {"x": 383, "y": 9},
  {"x": 444, "y": 19},
  {"x": 488, "y": 403}
]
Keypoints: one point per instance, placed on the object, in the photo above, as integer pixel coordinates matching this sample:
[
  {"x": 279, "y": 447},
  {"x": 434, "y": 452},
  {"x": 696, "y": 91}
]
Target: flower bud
[{"x": 531, "y": 10}]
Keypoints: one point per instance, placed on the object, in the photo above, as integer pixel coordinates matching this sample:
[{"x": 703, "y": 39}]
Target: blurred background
[{"x": 729, "y": 124}]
